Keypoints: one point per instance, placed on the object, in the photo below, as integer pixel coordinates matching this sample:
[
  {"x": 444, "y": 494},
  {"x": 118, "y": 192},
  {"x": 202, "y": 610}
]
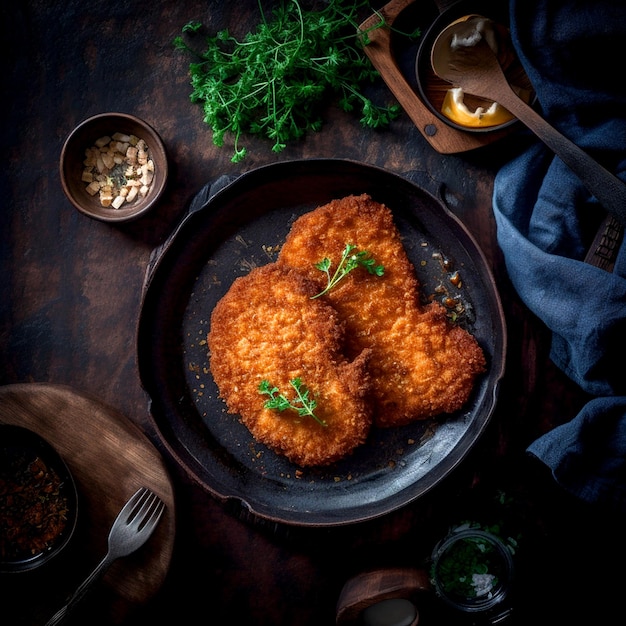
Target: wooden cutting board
[{"x": 110, "y": 458}]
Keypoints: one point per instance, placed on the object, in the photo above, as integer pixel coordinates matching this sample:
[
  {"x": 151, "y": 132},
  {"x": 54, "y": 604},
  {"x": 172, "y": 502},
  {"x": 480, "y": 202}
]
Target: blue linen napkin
[{"x": 573, "y": 53}]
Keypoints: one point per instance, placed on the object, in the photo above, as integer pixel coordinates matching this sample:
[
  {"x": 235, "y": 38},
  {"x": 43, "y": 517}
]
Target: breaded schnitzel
[
  {"x": 421, "y": 365},
  {"x": 267, "y": 327}
]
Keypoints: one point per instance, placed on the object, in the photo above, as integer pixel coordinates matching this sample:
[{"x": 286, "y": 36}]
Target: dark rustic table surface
[{"x": 70, "y": 296}]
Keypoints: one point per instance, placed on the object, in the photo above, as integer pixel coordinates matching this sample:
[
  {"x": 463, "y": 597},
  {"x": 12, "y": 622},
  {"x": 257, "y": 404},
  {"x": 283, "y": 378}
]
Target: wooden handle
[{"x": 609, "y": 190}]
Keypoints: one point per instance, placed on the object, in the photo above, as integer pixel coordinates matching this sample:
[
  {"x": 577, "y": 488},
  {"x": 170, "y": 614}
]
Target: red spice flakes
[{"x": 33, "y": 508}]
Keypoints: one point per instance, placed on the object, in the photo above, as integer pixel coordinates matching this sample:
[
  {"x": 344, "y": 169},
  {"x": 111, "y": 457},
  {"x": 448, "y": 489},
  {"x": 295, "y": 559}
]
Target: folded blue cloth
[{"x": 546, "y": 219}]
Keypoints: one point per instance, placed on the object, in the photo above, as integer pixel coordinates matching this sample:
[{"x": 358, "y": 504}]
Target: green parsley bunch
[{"x": 273, "y": 82}]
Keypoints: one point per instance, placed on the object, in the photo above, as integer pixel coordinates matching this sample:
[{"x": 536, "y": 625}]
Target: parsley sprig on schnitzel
[
  {"x": 351, "y": 258},
  {"x": 302, "y": 403}
]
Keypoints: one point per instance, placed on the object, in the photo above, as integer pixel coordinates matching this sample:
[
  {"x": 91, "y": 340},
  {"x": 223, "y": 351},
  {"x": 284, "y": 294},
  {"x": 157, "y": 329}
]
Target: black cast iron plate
[{"x": 241, "y": 226}]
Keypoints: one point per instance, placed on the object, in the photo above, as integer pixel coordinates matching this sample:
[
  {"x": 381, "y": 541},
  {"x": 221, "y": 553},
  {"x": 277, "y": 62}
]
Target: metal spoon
[{"x": 475, "y": 68}]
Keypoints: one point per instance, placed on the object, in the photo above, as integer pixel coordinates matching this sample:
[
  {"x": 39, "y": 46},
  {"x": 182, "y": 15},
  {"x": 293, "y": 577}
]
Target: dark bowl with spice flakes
[
  {"x": 38, "y": 500},
  {"x": 113, "y": 167}
]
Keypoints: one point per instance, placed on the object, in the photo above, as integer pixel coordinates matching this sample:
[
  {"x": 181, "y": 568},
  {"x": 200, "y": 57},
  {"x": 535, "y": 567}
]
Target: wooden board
[{"x": 110, "y": 458}]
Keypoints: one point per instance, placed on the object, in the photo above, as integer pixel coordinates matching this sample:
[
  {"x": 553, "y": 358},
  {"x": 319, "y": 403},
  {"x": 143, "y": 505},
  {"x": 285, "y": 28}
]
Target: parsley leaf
[
  {"x": 351, "y": 258},
  {"x": 302, "y": 403}
]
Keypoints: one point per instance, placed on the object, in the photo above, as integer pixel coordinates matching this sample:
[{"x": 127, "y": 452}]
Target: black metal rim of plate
[{"x": 236, "y": 224}]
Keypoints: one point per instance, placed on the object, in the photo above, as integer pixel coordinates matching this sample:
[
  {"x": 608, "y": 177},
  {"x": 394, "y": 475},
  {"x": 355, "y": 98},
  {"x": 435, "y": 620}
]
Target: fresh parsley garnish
[
  {"x": 302, "y": 403},
  {"x": 351, "y": 258},
  {"x": 274, "y": 81}
]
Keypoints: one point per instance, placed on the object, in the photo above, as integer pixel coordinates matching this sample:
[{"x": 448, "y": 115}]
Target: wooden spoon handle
[{"x": 609, "y": 190}]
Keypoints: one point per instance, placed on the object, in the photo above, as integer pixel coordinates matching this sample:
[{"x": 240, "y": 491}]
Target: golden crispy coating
[
  {"x": 421, "y": 365},
  {"x": 267, "y": 327}
]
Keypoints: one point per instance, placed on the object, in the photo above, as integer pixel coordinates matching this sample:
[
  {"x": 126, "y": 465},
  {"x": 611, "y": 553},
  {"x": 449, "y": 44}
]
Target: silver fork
[{"x": 130, "y": 530}]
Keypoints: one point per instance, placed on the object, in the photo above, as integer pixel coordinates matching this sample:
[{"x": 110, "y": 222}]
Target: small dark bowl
[
  {"x": 31, "y": 473},
  {"x": 72, "y": 166},
  {"x": 433, "y": 89}
]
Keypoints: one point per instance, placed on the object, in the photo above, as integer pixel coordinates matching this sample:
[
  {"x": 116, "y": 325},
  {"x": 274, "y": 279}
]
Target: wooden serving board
[{"x": 110, "y": 458}]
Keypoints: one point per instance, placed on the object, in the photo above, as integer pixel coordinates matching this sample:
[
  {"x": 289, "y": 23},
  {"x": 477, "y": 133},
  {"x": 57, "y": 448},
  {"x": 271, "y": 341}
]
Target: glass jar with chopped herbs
[{"x": 472, "y": 571}]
